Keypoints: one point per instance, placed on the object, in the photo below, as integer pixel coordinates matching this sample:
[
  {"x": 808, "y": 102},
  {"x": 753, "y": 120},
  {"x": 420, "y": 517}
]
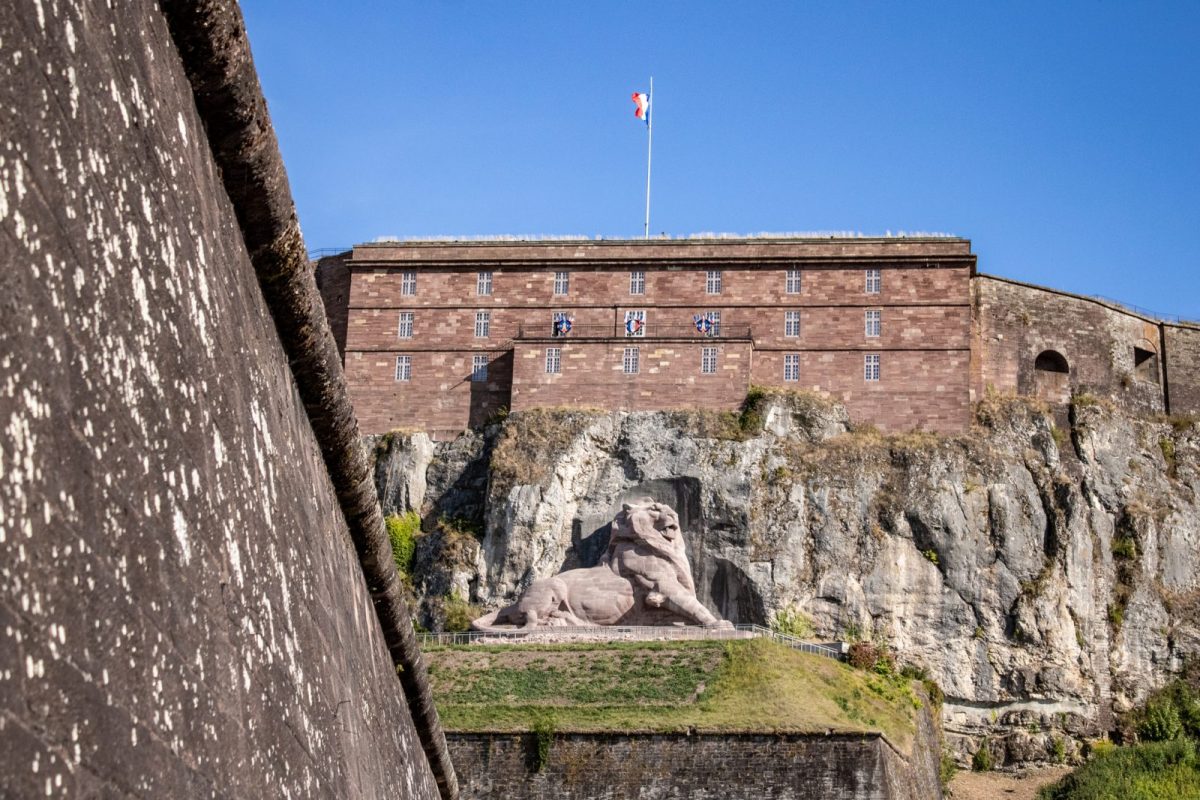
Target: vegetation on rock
[
  {"x": 402, "y": 531},
  {"x": 1152, "y": 771}
]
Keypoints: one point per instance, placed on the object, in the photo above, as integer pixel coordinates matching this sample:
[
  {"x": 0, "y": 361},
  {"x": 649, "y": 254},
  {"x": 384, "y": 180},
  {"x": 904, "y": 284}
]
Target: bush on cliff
[
  {"x": 1151, "y": 771},
  {"x": 402, "y": 531}
]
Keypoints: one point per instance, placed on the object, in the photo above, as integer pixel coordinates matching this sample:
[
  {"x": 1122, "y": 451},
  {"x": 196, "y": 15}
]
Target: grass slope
[{"x": 749, "y": 685}]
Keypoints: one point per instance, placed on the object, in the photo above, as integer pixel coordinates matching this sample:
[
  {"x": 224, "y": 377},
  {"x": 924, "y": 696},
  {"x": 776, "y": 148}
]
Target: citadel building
[{"x": 903, "y": 331}]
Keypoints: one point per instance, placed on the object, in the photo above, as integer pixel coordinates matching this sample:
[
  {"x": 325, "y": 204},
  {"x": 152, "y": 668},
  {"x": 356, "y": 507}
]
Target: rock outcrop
[{"x": 1041, "y": 569}]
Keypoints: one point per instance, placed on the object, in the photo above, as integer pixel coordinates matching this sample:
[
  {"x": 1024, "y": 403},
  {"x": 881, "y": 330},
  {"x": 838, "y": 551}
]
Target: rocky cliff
[{"x": 1042, "y": 569}]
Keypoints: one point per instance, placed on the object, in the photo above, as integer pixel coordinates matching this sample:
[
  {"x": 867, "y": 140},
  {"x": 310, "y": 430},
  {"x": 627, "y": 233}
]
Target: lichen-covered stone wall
[
  {"x": 1183, "y": 367},
  {"x": 580, "y": 766},
  {"x": 181, "y": 611},
  {"x": 1014, "y": 323}
]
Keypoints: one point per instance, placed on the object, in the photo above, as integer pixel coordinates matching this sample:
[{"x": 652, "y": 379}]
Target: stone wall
[
  {"x": 917, "y": 389},
  {"x": 182, "y": 611},
  {"x": 689, "y": 766},
  {"x": 1183, "y": 367},
  {"x": 1101, "y": 344},
  {"x": 668, "y": 375},
  {"x": 924, "y": 337},
  {"x": 333, "y": 280}
]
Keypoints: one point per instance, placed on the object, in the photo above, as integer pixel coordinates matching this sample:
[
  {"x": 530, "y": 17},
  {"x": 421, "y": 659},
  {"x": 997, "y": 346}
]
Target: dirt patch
[{"x": 1004, "y": 785}]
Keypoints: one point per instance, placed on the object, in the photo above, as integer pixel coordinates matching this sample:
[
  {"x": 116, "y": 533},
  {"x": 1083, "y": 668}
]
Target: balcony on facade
[{"x": 649, "y": 330}]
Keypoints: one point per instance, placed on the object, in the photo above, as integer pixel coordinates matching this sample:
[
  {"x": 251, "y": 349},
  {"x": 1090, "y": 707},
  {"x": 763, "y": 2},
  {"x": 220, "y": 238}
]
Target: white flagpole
[{"x": 649, "y": 144}]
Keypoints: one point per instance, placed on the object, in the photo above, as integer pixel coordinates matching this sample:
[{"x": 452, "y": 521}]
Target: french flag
[{"x": 642, "y": 111}]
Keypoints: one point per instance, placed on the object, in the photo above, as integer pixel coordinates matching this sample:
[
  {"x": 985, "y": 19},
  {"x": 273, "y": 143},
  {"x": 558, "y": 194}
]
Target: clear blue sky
[{"x": 1062, "y": 138}]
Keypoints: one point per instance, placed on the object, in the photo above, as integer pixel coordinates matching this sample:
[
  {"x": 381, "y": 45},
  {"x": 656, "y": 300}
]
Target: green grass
[
  {"x": 1152, "y": 771},
  {"x": 745, "y": 685}
]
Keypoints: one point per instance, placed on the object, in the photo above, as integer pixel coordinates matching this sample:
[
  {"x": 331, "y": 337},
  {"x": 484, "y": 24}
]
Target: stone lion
[{"x": 644, "y": 578}]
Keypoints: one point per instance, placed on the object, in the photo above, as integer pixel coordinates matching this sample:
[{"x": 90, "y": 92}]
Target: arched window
[
  {"x": 1145, "y": 361},
  {"x": 1051, "y": 361},
  {"x": 1052, "y": 376}
]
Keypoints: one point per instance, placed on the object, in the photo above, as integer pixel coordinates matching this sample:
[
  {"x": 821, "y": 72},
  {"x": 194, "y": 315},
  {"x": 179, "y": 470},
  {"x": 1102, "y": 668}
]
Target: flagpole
[{"x": 649, "y": 145}]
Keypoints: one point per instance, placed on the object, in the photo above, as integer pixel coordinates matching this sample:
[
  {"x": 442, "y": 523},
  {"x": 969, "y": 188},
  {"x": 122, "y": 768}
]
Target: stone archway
[{"x": 1052, "y": 376}]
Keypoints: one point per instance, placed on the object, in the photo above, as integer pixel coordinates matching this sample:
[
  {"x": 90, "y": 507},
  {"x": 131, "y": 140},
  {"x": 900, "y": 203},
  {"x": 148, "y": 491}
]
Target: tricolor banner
[{"x": 642, "y": 101}]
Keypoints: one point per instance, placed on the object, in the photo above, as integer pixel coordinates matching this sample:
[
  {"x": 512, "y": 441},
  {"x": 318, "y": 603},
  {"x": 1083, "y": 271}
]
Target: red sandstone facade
[
  {"x": 882, "y": 325},
  {"x": 442, "y": 336}
]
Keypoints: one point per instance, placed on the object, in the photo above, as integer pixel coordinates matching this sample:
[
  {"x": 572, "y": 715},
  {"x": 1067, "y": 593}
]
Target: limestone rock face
[{"x": 1044, "y": 576}]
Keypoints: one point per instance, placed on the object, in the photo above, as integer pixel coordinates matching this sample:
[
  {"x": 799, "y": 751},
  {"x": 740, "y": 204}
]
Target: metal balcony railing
[{"x": 649, "y": 330}]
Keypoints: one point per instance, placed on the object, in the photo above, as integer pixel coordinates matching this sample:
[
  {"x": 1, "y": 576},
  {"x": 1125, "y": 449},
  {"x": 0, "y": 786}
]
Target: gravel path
[{"x": 1003, "y": 785}]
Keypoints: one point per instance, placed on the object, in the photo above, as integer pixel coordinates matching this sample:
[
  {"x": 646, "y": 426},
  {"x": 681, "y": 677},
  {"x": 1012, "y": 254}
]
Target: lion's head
[{"x": 646, "y": 519}]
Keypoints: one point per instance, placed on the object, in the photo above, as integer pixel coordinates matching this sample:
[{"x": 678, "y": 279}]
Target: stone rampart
[
  {"x": 182, "y": 611},
  {"x": 1182, "y": 343},
  {"x": 1041, "y": 342}
]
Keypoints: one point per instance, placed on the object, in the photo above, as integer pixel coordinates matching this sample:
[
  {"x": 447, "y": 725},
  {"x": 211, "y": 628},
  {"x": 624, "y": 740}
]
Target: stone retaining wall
[{"x": 695, "y": 767}]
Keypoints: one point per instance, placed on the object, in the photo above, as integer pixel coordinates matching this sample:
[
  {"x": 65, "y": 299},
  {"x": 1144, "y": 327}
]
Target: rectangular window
[
  {"x": 874, "y": 281},
  {"x": 715, "y": 318},
  {"x": 483, "y": 283},
  {"x": 791, "y": 323},
  {"x": 712, "y": 283},
  {"x": 562, "y": 323},
  {"x": 635, "y": 323},
  {"x": 791, "y": 367},
  {"x": 708, "y": 360},
  {"x": 637, "y": 282},
  {"x": 630, "y": 362},
  {"x": 553, "y": 360},
  {"x": 483, "y": 324},
  {"x": 793, "y": 281},
  {"x": 874, "y": 322},
  {"x": 562, "y": 282},
  {"x": 406, "y": 325},
  {"x": 871, "y": 367},
  {"x": 479, "y": 368},
  {"x": 404, "y": 368},
  {"x": 408, "y": 283}
]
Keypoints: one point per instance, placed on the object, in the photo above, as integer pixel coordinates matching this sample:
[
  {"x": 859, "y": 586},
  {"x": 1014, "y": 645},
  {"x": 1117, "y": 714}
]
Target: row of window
[
  {"x": 631, "y": 364},
  {"x": 635, "y": 323},
  {"x": 713, "y": 282}
]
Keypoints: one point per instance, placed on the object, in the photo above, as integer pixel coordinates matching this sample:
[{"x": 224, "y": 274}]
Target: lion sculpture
[{"x": 643, "y": 579}]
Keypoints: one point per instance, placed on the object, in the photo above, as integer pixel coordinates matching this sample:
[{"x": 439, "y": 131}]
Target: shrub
[
  {"x": 1124, "y": 547},
  {"x": 459, "y": 613},
  {"x": 982, "y": 760},
  {"x": 751, "y": 419},
  {"x": 1116, "y": 615},
  {"x": 947, "y": 769},
  {"x": 1150, "y": 771},
  {"x": 791, "y": 621},
  {"x": 1161, "y": 723},
  {"x": 543, "y": 730},
  {"x": 1059, "y": 749},
  {"x": 402, "y": 531},
  {"x": 872, "y": 657},
  {"x": 863, "y": 655},
  {"x": 931, "y": 556},
  {"x": 1168, "y": 450}
]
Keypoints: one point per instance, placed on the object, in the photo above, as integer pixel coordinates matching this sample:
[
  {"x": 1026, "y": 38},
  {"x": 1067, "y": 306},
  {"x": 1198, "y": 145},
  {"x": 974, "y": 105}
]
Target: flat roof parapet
[{"x": 675, "y": 251}]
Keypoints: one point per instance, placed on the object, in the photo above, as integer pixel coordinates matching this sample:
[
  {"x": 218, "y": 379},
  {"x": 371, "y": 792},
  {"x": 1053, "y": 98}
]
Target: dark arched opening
[
  {"x": 1052, "y": 376},
  {"x": 1145, "y": 361},
  {"x": 1051, "y": 361}
]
